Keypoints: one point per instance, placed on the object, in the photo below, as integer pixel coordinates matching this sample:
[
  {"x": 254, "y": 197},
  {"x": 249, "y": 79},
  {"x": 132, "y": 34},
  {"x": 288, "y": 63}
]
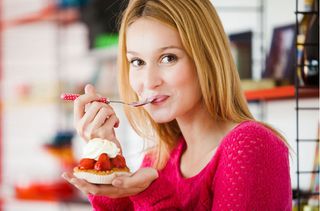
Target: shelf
[
  {"x": 307, "y": 172},
  {"x": 48, "y": 13},
  {"x": 307, "y": 140},
  {"x": 308, "y": 108},
  {"x": 306, "y": 194},
  {"x": 307, "y": 12},
  {"x": 278, "y": 93},
  {"x": 308, "y": 44}
]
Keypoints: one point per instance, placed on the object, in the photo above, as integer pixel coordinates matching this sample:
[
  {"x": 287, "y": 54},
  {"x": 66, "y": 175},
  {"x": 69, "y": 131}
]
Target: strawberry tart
[{"x": 101, "y": 162}]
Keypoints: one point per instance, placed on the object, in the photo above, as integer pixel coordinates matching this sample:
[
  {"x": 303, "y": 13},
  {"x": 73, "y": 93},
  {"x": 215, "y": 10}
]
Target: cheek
[
  {"x": 183, "y": 79},
  {"x": 188, "y": 83},
  {"x": 134, "y": 82}
]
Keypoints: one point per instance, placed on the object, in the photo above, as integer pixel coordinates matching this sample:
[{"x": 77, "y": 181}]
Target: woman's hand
[
  {"x": 94, "y": 119},
  {"x": 121, "y": 186}
]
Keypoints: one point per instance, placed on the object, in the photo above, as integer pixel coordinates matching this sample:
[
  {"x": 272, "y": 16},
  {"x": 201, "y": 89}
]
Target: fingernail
[
  {"x": 116, "y": 125},
  {"x": 64, "y": 176}
]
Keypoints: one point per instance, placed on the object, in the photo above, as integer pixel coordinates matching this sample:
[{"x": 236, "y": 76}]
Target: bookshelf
[
  {"x": 304, "y": 42},
  {"x": 257, "y": 8}
]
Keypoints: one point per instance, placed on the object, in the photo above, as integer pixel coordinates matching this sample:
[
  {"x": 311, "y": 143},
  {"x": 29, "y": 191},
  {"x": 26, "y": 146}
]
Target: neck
[{"x": 201, "y": 131}]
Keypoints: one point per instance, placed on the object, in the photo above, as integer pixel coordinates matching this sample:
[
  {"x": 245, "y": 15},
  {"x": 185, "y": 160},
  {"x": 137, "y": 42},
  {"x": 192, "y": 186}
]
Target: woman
[{"x": 211, "y": 154}]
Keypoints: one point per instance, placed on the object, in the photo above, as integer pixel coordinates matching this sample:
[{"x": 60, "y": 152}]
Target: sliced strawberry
[
  {"x": 118, "y": 162},
  {"x": 86, "y": 163}
]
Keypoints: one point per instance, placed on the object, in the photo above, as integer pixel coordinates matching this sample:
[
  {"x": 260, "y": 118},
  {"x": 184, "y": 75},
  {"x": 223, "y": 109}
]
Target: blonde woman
[{"x": 210, "y": 154}]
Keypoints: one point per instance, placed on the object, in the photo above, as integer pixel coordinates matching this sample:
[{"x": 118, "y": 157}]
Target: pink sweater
[{"x": 249, "y": 171}]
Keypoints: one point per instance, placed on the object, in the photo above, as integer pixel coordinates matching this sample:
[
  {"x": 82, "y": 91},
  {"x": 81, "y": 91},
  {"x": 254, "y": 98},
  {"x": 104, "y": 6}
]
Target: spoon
[{"x": 72, "y": 97}]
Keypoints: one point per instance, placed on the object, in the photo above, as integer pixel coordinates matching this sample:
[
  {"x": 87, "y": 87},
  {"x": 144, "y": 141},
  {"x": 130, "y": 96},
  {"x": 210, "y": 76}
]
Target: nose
[{"x": 152, "y": 78}]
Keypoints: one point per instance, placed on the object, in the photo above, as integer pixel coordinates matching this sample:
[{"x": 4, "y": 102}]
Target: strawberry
[
  {"x": 102, "y": 166},
  {"x": 103, "y": 163},
  {"x": 103, "y": 157},
  {"x": 118, "y": 162},
  {"x": 86, "y": 163}
]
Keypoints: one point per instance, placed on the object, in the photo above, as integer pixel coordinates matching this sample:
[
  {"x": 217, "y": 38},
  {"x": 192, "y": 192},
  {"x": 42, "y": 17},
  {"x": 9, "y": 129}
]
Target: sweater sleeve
[{"x": 253, "y": 172}]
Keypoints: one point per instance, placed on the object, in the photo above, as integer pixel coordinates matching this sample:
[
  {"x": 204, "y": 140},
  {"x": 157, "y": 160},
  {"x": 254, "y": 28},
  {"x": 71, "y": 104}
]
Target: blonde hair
[{"x": 206, "y": 43}]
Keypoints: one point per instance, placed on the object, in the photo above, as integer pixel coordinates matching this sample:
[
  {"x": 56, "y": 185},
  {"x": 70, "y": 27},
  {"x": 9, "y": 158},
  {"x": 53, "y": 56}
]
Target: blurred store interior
[{"x": 49, "y": 47}]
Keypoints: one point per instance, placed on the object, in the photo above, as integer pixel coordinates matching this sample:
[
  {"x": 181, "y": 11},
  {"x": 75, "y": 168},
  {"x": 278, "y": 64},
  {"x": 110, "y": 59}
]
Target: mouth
[{"x": 158, "y": 99}]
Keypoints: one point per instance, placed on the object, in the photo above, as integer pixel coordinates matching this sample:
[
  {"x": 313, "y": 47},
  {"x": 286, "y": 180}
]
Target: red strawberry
[
  {"x": 119, "y": 162},
  {"x": 103, "y": 157},
  {"x": 103, "y": 163},
  {"x": 102, "y": 166},
  {"x": 86, "y": 163}
]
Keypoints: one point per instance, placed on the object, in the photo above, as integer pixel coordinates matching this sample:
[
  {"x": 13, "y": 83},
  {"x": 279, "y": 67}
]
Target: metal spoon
[{"x": 72, "y": 97}]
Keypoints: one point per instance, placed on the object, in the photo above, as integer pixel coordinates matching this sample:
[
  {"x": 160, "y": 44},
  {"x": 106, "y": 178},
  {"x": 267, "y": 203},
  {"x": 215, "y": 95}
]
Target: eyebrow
[{"x": 160, "y": 49}]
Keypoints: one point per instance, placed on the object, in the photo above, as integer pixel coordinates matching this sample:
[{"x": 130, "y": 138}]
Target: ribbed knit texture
[{"x": 249, "y": 171}]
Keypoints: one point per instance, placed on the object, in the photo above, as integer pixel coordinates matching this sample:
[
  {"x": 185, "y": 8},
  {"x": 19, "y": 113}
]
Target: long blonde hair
[{"x": 205, "y": 41}]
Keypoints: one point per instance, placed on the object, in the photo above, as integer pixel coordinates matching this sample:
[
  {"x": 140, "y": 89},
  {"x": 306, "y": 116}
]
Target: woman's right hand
[{"x": 94, "y": 119}]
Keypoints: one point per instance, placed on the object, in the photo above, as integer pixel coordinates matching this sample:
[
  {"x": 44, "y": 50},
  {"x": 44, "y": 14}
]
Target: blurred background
[{"x": 49, "y": 47}]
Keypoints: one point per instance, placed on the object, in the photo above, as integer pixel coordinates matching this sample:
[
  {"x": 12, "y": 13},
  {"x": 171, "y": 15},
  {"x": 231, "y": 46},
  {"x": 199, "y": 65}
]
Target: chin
[{"x": 161, "y": 118}]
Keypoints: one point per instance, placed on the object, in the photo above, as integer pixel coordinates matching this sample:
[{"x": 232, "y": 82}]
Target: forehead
[{"x": 147, "y": 33}]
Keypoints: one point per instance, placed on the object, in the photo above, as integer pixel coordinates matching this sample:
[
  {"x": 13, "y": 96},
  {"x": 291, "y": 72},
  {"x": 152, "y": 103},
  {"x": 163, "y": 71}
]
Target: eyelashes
[
  {"x": 169, "y": 58},
  {"x": 164, "y": 59},
  {"x": 136, "y": 62}
]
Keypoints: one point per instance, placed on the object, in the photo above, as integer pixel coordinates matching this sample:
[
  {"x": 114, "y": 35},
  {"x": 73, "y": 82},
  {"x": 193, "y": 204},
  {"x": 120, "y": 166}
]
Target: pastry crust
[{"x": 100, "y": 177}]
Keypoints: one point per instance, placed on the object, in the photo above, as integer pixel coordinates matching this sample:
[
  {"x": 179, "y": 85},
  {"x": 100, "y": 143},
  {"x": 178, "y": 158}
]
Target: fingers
[
  {"x": 88, "y": 188},
  {"x": 107, "y": 129},
  {"x": 94, "y": 119},
  {"x": 105, "y": 113},
  {"x": 141, "y": 179},
  {"x": 82, "y": 185},
  {"x": 97, "y": 116},
  {"x": 93, "y": 110},
  {"x": 121, "y": 186},
  {"x": 74, "y": 181},
  {"x": 67, "y": 176},
  {"x": 89, "y": 89},
  {"x": 83, "y": 100}
]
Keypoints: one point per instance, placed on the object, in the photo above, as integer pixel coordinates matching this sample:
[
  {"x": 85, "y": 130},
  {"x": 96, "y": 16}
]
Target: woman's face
[{"x": 160, "y": 68}]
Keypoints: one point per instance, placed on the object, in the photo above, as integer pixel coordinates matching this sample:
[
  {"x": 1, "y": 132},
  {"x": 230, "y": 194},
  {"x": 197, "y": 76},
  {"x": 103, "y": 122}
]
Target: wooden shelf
[
  {"x": 49, "y": 13},
  {"x": 279, "y": 93}
]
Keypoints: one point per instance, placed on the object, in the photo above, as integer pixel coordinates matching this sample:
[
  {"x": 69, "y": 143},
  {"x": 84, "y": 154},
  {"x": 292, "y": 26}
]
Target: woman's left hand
[{"x": 121, "y": 186}]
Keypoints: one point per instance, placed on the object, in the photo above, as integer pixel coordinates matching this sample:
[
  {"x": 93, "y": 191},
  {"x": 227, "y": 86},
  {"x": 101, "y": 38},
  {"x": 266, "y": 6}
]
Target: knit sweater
[{"x": 249, "y": 171}]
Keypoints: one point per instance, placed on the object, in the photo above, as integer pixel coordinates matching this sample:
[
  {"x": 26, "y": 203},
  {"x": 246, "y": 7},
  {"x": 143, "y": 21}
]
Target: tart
[{"x": 101, "y": 162}]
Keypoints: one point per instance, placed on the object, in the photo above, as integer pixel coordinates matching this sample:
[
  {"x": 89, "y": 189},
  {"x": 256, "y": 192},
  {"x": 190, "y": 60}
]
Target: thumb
[
  {"x": 89, "y": 89},
  {"x": 141, "y": 178}
]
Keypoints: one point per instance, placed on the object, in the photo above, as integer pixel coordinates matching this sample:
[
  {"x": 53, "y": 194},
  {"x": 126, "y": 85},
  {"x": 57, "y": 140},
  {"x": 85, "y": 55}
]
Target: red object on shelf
[
  {"x": 54, "y": 191},
  {"x": 282, "y": 92},
  {"x": 48, "y": 13},
  {"x": 274, "y": 93}
]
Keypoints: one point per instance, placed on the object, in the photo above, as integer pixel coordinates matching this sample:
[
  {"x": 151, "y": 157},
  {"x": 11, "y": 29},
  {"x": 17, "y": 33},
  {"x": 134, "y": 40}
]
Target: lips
[{"x": 159, "y": 99}]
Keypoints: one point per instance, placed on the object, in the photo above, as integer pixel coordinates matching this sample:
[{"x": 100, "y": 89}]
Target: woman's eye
[
  {"x": 137, "y": 62},
  {"x": 169, "y": 59}
]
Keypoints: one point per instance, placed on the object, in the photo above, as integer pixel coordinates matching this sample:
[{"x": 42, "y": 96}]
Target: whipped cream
[{"x": 95, "y": 147}]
